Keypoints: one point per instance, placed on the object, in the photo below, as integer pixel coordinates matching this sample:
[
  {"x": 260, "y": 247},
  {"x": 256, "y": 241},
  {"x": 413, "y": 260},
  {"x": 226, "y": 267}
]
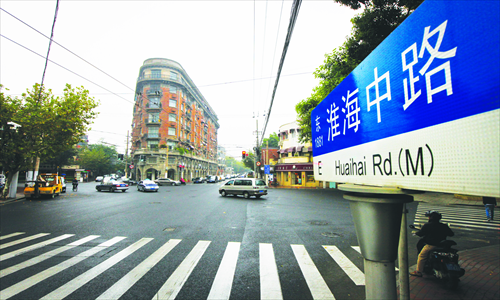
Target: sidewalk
[{"x": 481, "y": 279}]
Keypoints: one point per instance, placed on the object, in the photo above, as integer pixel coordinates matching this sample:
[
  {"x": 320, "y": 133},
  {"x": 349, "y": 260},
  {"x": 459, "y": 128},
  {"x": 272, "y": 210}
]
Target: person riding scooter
[
  {"x": 432, "y": 234},
  {"x": 75, "y": 184}
]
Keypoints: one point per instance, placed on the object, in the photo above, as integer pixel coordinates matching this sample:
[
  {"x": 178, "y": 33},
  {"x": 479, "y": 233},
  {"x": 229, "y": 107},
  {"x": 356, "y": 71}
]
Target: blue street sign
[
  {"x": 437, "y": 73},
  {"x": 267, "y": 169}
]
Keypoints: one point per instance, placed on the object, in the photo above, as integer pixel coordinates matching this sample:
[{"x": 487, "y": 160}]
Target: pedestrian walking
[{"x": 489, "y": 204}]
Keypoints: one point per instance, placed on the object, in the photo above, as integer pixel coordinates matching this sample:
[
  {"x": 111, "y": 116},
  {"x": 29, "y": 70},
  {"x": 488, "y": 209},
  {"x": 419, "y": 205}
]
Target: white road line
[
  {"x": 76, "y": 283},
  {"x": 317, "y": 285},
  {"x": 37, "y": 278},
  {"x": 45, "y": 256},
  {"x": 349, "y": 268},
  {"x": 221, "y": 288},
  {"x": 356, "y": 248},
  {"x": 3, "y": 237},
  {"x": 270, "y": 287},
  {"x": 26, "y": 239},
  {"x": 127, "y": 281},
  {"x": 33, "y": 247},
  {"x": 175, "y": 282}
]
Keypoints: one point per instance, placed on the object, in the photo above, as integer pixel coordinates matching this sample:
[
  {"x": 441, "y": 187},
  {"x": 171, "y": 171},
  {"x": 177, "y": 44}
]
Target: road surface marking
[
  {"x": 317, "y": 285},
  {"x": 37, "y": 278},
  {"x": 349, "y": 268},
  {"x": 124, "y": 284},
  {"x": 221, "y": 288},
  {"x": 270, "y": 287},
  {"x": 175, "y": 282},
  {"x": 3, "y": 237},
  {"x": 33, "y": 247},
  {"x": 78, "y": 282},
  {"x": 29, "y": 238},
  {"x": 45, "y": 256}
]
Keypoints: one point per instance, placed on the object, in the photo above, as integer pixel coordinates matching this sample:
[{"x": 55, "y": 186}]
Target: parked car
[
  {"x": 212, "y": 179},
  {"x": 128, "y": 181},
  {"x": 99, "y": 178},
  {"x": 167, "y": 181},
  {"x": 199, "y": 180},
  {"x": 244, "y": 186},
  {"x": 147, "y": 186},
  {"x": 111, "y": 186}
]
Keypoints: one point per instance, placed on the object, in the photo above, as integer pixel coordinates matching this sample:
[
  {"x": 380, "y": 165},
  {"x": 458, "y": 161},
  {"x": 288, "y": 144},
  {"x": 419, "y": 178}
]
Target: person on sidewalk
[
  {"x": 432, "y": 233},
  {"x": 489, "y": 204}
]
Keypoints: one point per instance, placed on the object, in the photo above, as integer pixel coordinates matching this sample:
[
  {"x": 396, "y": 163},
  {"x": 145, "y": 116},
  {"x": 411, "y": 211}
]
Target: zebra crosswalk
[
  {"x": 31, "y": 264},
  {"x": 458, "y": 217}
]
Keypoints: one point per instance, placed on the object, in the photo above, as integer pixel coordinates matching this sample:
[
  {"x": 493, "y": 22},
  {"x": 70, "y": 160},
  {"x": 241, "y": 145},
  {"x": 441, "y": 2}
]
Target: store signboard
[{"x": 422, "y": 111}]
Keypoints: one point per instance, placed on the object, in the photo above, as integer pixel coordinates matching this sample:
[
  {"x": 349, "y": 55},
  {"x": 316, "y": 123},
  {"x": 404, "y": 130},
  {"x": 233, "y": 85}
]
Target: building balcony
[
  {"x": 152, "y": 136},
  {"x": 153, "y": 122},
  {"x": 294, "y": 160}
]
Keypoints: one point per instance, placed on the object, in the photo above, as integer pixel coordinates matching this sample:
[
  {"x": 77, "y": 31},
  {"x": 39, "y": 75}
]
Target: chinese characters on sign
[{"x": 345, "y": 119}]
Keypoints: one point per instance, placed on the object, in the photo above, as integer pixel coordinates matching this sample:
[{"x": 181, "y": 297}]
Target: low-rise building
[{"x": 295, "y": 163}]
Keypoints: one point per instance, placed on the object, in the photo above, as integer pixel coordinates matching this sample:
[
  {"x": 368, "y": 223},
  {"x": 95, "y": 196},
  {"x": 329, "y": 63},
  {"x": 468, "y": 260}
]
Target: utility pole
[
  {"x": 126, "y": 158},
  {"x": 256, "y": 147}
]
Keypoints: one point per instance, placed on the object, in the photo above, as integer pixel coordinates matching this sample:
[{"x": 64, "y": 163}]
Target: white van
[{"x": 244, "y": 186}]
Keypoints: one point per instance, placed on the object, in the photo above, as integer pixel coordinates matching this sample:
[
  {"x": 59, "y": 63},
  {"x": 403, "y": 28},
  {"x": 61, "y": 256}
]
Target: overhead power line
[{"x": 291, "y": 25}]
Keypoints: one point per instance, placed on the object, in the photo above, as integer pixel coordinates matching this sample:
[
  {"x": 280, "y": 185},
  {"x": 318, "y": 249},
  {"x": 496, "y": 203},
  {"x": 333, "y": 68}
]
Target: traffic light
[
  {"x": 120, "y": 156},
  {"x": 243, "y": 154}
]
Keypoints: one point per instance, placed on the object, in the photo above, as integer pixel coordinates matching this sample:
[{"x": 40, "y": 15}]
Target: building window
[
  {"x": 172, "y": 117},
  {"x": 155, "y": 73},
  {"x": 171, "y": 131},
  {"x": 171, "y": 146},
  {"x": 154, "y": 102},
  {"x": 153, "y": 88},
  {"x": 173, "y": 75},
  {"x": 153, "y": 144},
  {"x": 152, "y": 159},
  {"x": 173, "y": 89},
  {"x": 172, "y": 103},
  {"x": 154, "y": 117},
  {"x": 153, "y": 132}
]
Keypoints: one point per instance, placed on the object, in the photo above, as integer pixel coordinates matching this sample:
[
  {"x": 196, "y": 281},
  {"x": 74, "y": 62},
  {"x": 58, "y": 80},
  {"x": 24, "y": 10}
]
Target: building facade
[
  {"x": 174, "y": 129},
  {"x": 295, "y": 163}
]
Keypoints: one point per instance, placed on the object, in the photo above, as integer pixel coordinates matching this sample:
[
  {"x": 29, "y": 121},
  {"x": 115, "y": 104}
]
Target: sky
[{"x": 230, "y": 49}]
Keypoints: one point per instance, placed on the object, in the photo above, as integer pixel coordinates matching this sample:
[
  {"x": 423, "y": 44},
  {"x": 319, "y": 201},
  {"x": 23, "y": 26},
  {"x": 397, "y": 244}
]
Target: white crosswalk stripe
[
  {"x": 317, "y": 285},
  {"x": 79, "y": 281},
  {"x": 270, "y": 287},
  {"x": 175, "y": 282},
  {"x": 31, "y": 281},
  {"x": 26, "y": 239},
  {"x": 458, "y": 217},
  {"x": 221, "y": 286},
  {"x": 33, "y": 247}
]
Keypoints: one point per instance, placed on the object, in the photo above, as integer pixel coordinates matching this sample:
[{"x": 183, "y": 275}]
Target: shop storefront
[{"x": 296, "y": 175}]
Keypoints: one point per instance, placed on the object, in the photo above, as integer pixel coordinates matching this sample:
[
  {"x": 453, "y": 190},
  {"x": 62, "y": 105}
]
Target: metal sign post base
[{"x": 376, "y": 212}]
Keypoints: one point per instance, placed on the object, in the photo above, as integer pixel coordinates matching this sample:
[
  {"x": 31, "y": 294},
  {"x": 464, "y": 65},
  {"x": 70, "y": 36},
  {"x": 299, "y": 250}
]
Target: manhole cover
[
  {"x": 319, "y": 223},
  {"x": 331, "y": 234},
  {"x": 169, "y": 229}
]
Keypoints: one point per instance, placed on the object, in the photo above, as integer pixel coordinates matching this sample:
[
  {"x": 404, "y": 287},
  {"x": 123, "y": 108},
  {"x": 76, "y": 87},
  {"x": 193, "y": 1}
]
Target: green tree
[
  {"x": 99, "y": 158},
  {"x": 378, "y": 19},
  {"x": 49, "y": 125},
  {"x": 249, "y": 161},
  {"x": 237, "y": 166},
  {"x": 273, "y": 141}
]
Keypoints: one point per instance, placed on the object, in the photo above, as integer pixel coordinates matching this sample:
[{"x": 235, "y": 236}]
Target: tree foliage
[
  {"x": 249, "y": 161},
  {"x": 99, "y": 158},
  {"x": 237, "y": 166},
  {"x": 271, "y": 141},
  {"x": 378, "y": 19},
  {"x": 49, "y": 125}
]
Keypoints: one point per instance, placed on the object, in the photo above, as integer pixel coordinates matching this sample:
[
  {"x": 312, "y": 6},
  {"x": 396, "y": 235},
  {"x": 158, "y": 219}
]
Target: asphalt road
[{"x": 183, "y": 242}]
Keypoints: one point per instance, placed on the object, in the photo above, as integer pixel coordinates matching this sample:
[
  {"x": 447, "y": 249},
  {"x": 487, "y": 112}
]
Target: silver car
[
  {"x": 244, "y": 186},
  {"x": 166, "y": 181}
]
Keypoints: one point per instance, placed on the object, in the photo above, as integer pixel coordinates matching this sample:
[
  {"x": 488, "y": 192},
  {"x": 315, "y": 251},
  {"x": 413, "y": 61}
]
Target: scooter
[{"x": 443, "y": 262}]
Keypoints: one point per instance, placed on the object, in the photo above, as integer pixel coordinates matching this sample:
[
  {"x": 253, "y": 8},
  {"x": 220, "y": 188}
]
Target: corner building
[{"x": 174, "y": 129}]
